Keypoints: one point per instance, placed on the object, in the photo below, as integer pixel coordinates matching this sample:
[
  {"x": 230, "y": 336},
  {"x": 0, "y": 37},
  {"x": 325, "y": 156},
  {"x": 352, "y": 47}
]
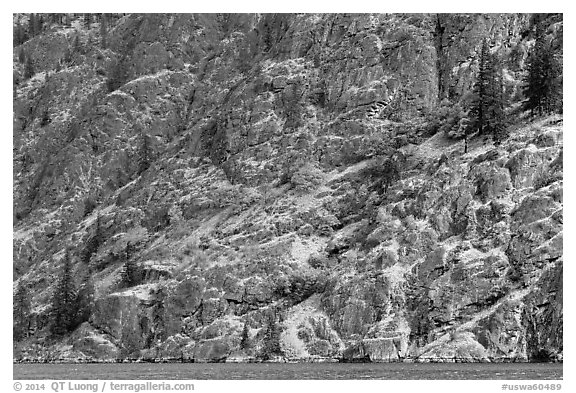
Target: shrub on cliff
[
  {"x": 447, "y": 118},
  {"x": 93, "y": 242},
  {"x": 300, "y": 285},
  {"x": 318, "y": 261},
  {"x": 89, "y": 206},
  {"x": 292, "y": 98},
  {"x": 373, "y": 146},
  {"x": 545, "y": 178},
  {"x": 307, "y": 178},
  {"x": 45, "y": 120},
  {"x": 383, "y": 173},
  {"x": 157, "y": 219},
  {"x": 131, "y": 272}
]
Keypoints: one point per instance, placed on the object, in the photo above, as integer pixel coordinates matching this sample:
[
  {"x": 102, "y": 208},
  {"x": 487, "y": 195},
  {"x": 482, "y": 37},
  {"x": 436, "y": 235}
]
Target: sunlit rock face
[{"x": 238, "y": 162}]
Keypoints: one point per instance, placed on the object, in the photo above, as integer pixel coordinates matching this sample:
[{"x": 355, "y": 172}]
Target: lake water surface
[{"x": 267, "y": 371}]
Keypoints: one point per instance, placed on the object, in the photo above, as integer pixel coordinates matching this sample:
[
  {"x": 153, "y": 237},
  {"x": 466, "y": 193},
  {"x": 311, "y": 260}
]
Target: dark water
[{"x": 220, "y": 371}]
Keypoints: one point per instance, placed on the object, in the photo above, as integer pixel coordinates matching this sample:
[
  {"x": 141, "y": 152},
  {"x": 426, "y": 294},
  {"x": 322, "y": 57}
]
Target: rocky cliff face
[{"x": 260, "y": 198}]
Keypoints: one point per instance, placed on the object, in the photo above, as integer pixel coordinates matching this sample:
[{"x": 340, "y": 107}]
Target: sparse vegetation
[
  {"x": 449, "y": 118},
  {"x": 307, "y": 178},
  {"x": 300, "y": 285},
  {"x": 157, "y": 218},
  {"x": 383, "y": 172},
  {"x": 284, "y": 186},
  {"x": 545, "y": 178}
]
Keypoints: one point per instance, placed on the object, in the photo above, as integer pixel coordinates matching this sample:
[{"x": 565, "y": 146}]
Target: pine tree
[
  {"x": 497, "y": 115},
  {"x": 64, "y": 304},
  {"x": 487, "y": 111},
  {"x": 32, "y": 25},
  {"x": 22, "y": 56},
  {"x": 89, "y": 43},
  {"x": 245, "y": 338},
  {"x": 129, "y": 274},
  {"x": 67, "y": 58},
  {"x": 245, "y": 58},
  {"x": 87, "y": 20},
  {"x": 45, "y": 120},
  {"x": 20, "y": 35},
  {"x": 159, "y": 316},
  {"x": 55, "y": 18},
  {"x": 103, "y": 30},
  {"x": 543, "y": 81},
  {"x": 479, "y": 102},
  {"x": 390, "y": 173},
  {"x": 129, "y": 251},
  {"x": 21, "y": 312},
  {"x": 15, "y": 83},
  {"x": 272, "y": 339},
  {"x": 77, "y": 45},
  {"x": 39, "y": 24},
  {"x": 118, "y": 75},
  {"x": 143, "y": 154},
  {"x": 17, "y": 35},
  {"x": 29, "y": 68}
]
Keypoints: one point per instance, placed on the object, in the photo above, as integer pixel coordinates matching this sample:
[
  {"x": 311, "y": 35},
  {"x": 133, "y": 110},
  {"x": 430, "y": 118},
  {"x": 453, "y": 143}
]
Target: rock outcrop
[{"x": 238, "y": 164}]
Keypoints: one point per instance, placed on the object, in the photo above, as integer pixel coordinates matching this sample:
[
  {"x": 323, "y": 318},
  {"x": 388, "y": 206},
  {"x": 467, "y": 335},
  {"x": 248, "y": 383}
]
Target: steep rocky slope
[{"x": 261, "y": 199}]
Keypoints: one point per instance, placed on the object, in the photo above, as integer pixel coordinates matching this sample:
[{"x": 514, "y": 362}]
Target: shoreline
[{"x": 280, "y": 360}]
